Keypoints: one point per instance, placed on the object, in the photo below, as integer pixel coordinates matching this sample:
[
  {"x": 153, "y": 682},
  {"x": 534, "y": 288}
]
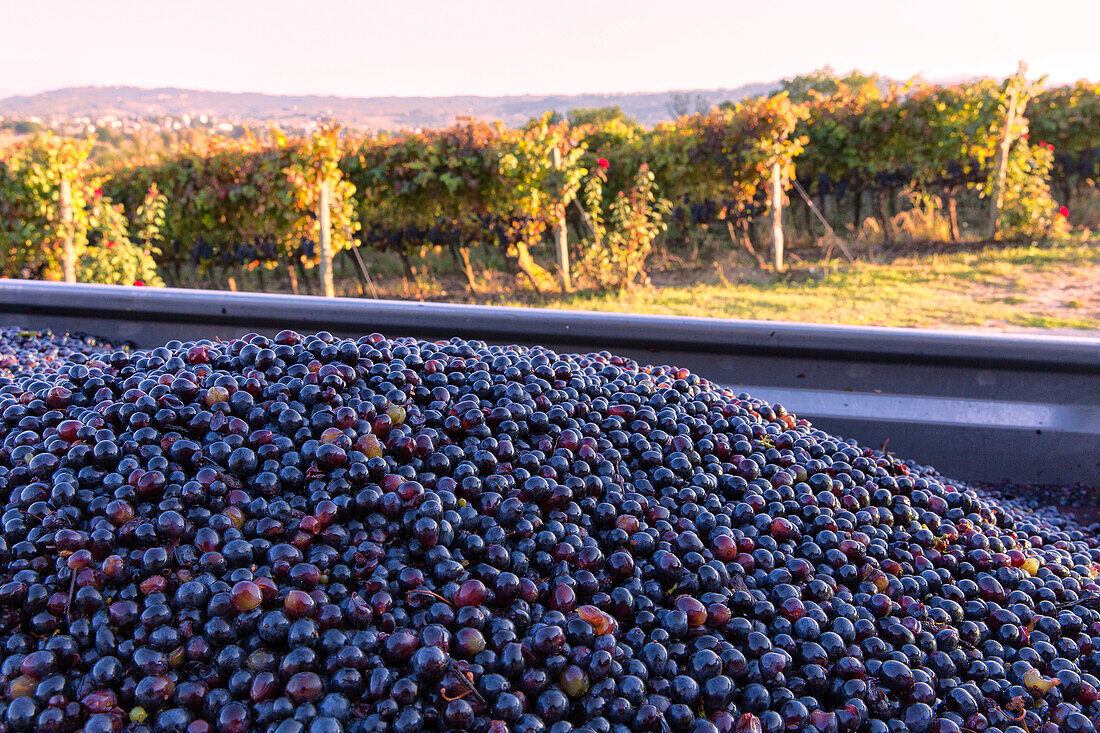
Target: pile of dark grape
[
  {"x": 1078, "y": 502},
  {"x": 26, "y": 352},
  {"x": 307, "y": 534}
]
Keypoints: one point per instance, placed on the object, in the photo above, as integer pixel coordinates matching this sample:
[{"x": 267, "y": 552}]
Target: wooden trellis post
[
  {"x": 777, "y": 217},
  {"x": 65, "y": 201},
  {"x": 997, "y": 195},
  {"x": 561, "y": 238},
  {"x": 324, "y": 239}
]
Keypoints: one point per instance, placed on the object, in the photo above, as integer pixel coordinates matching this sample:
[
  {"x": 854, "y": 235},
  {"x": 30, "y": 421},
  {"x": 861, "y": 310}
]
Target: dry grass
[
  {"x": 1052, "y": 286},
  {"x": 1011, "y": 288}
]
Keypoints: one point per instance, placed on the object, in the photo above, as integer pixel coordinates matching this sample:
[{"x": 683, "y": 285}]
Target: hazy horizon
[
  {"x": 579, "y": 93},
  {"x": 431, "y": 48}
]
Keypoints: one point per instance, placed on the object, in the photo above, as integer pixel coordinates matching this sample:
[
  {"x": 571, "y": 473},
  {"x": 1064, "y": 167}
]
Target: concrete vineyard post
[
  {"x": 777, "y": 217},
  {"x": 325, "y": 239},
  {"x": 65, "y": 201},
  {"x": 561, "y": 238}
]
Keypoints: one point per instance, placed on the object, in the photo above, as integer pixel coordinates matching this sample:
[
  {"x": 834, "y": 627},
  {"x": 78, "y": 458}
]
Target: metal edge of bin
[
  {"x": 976, "y": 405},
  {"x": 583, "y": 328}
]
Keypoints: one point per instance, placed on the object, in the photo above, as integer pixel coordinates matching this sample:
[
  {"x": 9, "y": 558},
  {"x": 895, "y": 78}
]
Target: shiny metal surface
[{"x": 977, "y": 406}]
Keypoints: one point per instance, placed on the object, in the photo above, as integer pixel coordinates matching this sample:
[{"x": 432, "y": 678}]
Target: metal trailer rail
[{"x": 976, "y": 406}]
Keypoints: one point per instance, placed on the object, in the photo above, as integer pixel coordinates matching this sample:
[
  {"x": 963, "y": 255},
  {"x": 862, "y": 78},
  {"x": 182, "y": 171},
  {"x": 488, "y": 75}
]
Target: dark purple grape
[{"x": 309, "y": 534}]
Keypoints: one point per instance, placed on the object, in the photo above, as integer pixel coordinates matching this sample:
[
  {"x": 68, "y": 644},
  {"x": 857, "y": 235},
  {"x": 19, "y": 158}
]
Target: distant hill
[{"x": 380, "y": 113}]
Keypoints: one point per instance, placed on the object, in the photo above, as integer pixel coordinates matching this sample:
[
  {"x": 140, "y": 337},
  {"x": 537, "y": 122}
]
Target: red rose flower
[
  {"x": 1025, "y": 136},
  {"x": 110, "y": 244},
  {"x": 602, "y": 162},
  {"x": 98, "y": 193},
  {"x": 1063, "y": 211},
  {"x": 139, "y": 283}
]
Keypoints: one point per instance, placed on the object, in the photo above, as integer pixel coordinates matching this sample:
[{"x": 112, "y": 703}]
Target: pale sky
[{"x": 493, "y": 47}]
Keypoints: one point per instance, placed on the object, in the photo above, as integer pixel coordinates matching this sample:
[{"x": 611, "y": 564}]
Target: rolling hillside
[{"x": 372, "y": 112}]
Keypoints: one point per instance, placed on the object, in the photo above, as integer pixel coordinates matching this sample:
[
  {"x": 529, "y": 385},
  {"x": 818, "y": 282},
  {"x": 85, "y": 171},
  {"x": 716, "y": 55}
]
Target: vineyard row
[{"x": 1006, "y": 147}]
